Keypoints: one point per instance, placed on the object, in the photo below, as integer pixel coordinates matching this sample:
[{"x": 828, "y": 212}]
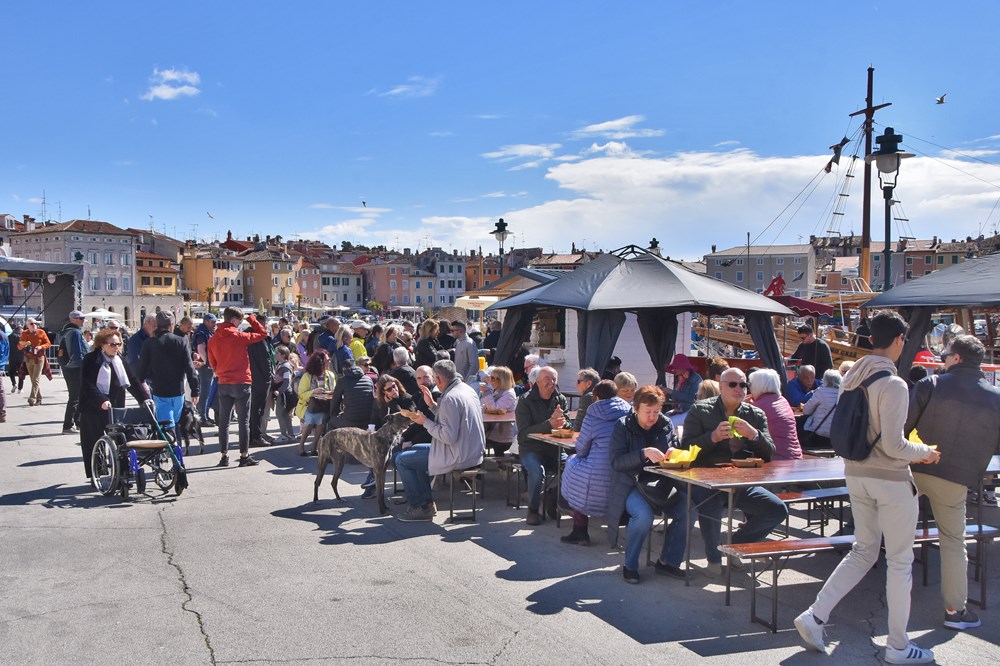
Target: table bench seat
[
  {"x": 822, "y": 499},
  {"x": 777, "y": 550}
]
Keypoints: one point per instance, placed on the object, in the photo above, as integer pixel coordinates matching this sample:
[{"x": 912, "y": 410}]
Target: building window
[
  {"x": 276, "y": 267},
  {"x": 110, "y": 283},
  {"x": 760, "y": 261},
  {"x": 168, "y": 282},
  {"x": 406, "y": 284},
  {"x": 126, "y": 283},
  {"x": 392, "y": 270},
  {"x": 779, "y": 260},
  {"x": 418, "y": 299},
  {"x": 843, "y": 281},
  {"x": 798, "y": 260},
  {"x": 157, "y": 282},
  {"x": 927, "y": 259},
  {"x": 144, "y": 281},
  {"x": 909, "y": 261},
  {"x": 109, "y": 258},
  {"x": 94, "y": 283},
  {"x": 739, "y": 276},
  {"x": 289, "y": 282},
  {"x": 718, "y": 276},
  {"x": 406, "y": 299},
  {"x": 392, "y": 284},
  {"x": 760, "y": 276},
  {"x": 877, "y": 257},
  {"x": 909, "y": 275},
  {"x": 249, "y": 280},
  {"x": 441, "y": 270},
  {"x": 275, "y": 281},
  {"x": 954, "y": 259},
  {"x": 392, "y": 299},
  {"x": 92, "y": 257},
  {"x": 739, "y": 262},
  {"x": 797, "y": 276},
  {"x": 126, "y": 259},
  {"x": 442, "y": 284},
  {"x": 718, "y": 262},
  {"x": 418, "y": 284}
]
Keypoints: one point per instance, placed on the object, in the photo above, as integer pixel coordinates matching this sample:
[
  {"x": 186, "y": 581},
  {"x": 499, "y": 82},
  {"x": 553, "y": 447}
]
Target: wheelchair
[{"x": 134, "y": 440}]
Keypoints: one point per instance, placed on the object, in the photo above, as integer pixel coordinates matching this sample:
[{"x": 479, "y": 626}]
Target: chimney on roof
[
  {"x": 229, "y": 235},
  {"x": 573, "y": 248},
  {"x": 953, "y": 240},
  {"x": 256, "y": 238},
  {"x": 714, "y": 248},
  {"x": 29, "y": 223}
]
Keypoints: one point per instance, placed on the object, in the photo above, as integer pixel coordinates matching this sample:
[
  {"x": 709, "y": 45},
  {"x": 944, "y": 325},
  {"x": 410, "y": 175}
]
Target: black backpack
[{"x": 849, "y": 429}]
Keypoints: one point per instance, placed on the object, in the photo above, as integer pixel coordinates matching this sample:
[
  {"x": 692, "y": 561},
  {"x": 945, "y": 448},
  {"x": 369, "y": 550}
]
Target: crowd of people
[{"x": 355, "y": 375}]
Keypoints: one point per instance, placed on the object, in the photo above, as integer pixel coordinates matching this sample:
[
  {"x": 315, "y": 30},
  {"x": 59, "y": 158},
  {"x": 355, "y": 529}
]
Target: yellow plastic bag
[{"x": 684, "y": 455}]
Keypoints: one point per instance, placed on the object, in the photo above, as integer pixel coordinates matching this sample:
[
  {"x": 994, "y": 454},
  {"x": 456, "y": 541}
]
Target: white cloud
[
  {"x": 486, "y": 116},
  {"x": 614, "y": 149},
  {"x": 415, "y": 86},
  {"x": 503, "y": 195},
  {"x": 168, "y": 84},
  {"x": 982, "y": 152},
  {"x": 442, "y": 133},
  {"x": 727, "y": 143},
  {"x": 621, "y": 128},
  {"x": 522, "y": 151}
]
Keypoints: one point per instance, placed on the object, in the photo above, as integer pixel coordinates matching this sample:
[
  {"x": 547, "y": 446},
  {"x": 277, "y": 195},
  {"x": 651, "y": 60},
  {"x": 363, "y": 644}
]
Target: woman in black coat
[{"x": 104, "y": 380}]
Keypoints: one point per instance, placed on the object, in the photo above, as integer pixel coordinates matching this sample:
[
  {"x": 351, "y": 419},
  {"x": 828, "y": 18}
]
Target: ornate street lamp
[
  {"x": 501, "y": 234},
  {"x": 887, "y": 159}
]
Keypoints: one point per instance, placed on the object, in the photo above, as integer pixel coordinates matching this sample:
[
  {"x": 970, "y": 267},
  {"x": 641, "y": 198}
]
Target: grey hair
[
  {"x": 148, "y": 318},
  {"x": 809, "y": 368},
  {"x": 763, "y": 381},
  {"x": 533, "y": 374},
  {"x": 346, "y": 335},
  {"x": 400, "y": 356},
  {"x": 549, "y": 369},
  {"x": 535, "y": 359},
  {"x": 626, "y": 380},
  {"x": 446, "y": 370},
  {"x": 832, "y": 379},
  {"x": 590, "y": 375}
]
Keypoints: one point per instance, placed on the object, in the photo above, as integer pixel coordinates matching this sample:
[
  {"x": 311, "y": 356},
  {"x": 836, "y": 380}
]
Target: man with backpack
[
  {"x": 959, "y": 411},
  {"x": 883, "y": 497}
]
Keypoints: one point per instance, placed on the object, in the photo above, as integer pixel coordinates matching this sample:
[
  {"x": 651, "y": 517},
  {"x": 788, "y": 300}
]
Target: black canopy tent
[
  {"x": 655, "y": 289},
  {"x": 56, "y": 280},
  {"x": 972, "y": 284}
]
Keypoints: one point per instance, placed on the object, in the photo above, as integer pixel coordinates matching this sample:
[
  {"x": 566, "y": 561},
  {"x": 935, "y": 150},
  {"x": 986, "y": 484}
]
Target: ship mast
[{"x": 864, "y": 268}]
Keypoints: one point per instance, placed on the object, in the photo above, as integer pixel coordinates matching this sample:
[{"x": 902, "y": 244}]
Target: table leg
[
  {"x": 687, "y": 542},
  {"x": 558, "y": 486},
  {"x": 729, "y": 542}
]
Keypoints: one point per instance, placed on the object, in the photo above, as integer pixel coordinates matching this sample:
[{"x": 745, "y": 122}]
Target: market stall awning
[
  {"x": 804, "y": 307},
  {"x": 475, "y": 302},
  {"x": 970, "y": 284}
]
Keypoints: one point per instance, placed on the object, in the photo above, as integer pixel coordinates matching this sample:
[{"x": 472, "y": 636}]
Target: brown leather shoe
[{"x": 533, "y": 518}]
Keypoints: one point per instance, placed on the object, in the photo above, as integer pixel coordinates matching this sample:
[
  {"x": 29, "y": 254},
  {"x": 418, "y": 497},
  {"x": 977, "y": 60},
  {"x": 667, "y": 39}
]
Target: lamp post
[
  {"x": 501, "y": 234},
  {"x": 887, "y": 159}
]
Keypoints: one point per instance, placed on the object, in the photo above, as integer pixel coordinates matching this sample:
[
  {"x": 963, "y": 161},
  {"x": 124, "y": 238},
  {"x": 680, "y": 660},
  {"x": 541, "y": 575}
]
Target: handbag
[
  {"x": 659, "y": 491},
  {"x": 809, "y": 436}
]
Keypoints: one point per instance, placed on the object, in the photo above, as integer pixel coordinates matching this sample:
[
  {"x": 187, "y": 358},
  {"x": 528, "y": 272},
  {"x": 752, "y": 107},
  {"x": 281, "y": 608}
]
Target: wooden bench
[
  {"x": 776, "y": 551},
  {"x": 822, "y": 499}
]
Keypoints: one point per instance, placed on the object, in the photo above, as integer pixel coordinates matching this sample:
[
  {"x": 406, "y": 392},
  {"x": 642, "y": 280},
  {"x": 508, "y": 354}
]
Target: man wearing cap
[
  {"x": 358, "y": 343},
  {"x": 72, "y": 349},
  {"x": 165, "y": 361},
  {"x": 328, "y": 338},
  {"x": 202, "y": 334},
  {"x": 33, "y": 342}
]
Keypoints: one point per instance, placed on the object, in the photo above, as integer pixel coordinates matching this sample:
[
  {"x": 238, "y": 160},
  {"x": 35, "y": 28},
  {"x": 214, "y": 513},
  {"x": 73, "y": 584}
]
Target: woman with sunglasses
[
  {"x": 33, "y": 343},
  {"x": 104, "y": 378},
  {"x": 499, "y": 398},
  {"x": 390, "y": 398}
]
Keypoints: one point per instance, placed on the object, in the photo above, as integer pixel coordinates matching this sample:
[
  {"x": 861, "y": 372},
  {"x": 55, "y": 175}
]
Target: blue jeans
[
  {"x": 641, "y": 520},
  {"x": 205, "y": 376},
  {"x": 234, "y": 395},
  {"x": 412, "y": 467},
  {"x": 535, "y": 465},
  {"x": 762, "y": 509}
]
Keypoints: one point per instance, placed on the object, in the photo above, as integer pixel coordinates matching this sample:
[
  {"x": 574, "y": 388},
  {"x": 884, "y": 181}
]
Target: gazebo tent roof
[
  {"x": 612, "y": 282},
  {"x": 973, "y": 283}
]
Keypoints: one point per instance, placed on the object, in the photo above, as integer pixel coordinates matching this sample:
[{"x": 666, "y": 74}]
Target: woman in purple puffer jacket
[{"x": 586, "y": 481}]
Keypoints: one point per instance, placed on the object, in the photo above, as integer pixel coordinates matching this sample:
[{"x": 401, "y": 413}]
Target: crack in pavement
[
  {"x": 186, "y": 589},
  {"x": 504, "y": 647}
]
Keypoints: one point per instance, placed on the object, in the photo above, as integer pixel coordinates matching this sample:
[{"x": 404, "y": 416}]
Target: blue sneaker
[{"x": 369, "y": 480}]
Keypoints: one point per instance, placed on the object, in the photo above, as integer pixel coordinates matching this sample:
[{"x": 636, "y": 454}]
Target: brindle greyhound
[{"x": 370, "y": 448}]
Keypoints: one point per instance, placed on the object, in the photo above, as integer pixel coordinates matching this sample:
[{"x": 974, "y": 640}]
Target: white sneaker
[
  {"x": 811, "y": 631},
  {"x": 911, "y": 654}
]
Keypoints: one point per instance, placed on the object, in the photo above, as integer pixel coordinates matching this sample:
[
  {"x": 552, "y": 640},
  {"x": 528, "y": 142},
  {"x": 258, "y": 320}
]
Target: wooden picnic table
[
  {"x": 567, "y": 444},
  {"x": 729, "y": 479},
  {"x": 498, "y": 418}
]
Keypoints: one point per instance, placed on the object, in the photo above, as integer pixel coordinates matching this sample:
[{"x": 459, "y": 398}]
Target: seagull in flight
[
  {"x": 940, "y": 100},
  {"x": 364, "y": 203},
  {"x": 209, "y": 215}
]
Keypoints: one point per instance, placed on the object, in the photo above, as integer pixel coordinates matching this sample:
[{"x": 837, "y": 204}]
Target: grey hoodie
[{"x": 888, "y": 400}]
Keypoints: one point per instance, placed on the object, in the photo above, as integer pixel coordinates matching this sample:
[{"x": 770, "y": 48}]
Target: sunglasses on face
[
  {"x": 113, "y": 344},
  {"x": 391, "y": 387},
  {"x": 742, "y": 385}
]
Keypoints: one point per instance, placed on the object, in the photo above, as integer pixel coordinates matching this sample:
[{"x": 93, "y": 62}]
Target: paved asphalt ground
[{"x": 243, "y": 567}]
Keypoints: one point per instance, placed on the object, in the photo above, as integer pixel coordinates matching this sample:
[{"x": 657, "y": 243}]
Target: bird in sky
[
  {"x": 364, "y": 203},
  {"x": 209, "y": 215},
  {"x": 940, "y": 100}
]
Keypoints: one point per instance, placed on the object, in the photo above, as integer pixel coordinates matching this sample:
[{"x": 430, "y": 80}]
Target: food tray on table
[
  {"x": 562, "y": 434},
  {"x": 748, "y": 462},
  {"x": 679, "y": 464}
]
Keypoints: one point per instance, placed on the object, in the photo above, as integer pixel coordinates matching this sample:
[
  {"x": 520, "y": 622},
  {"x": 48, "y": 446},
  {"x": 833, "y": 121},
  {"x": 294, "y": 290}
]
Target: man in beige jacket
[{"x": 883, "y": 500}]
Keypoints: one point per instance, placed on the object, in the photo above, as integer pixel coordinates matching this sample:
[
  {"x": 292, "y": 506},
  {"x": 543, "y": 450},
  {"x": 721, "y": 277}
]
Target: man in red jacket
[{"x": 227, "y": 354}]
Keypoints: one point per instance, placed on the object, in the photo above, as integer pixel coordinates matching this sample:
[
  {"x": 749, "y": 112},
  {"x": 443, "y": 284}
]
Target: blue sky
[{"x": 598, "y": 124}]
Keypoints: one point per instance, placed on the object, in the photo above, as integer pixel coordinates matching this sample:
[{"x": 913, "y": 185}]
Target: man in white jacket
[
  {"x": 457, "y": 440},
  {"x": 883, "y": 500}
]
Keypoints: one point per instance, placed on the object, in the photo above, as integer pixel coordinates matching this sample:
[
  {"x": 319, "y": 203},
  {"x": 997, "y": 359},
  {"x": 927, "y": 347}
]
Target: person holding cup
[{"x": 727, "y": 428}]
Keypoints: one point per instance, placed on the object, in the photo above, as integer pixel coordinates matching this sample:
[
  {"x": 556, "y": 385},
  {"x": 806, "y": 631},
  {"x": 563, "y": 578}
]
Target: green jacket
[
  {"x": 705, "y": 415},
  {"x": 532, "y": 417}
]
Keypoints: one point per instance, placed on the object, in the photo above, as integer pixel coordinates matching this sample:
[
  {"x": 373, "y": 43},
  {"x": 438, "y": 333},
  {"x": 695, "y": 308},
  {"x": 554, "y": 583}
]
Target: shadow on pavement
[
  {"x": 50, "y": 461},
  {"x": 63, "y": 497}
]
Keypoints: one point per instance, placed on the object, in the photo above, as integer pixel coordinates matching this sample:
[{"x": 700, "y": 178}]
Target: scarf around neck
[{"x": 104, "y": 374}]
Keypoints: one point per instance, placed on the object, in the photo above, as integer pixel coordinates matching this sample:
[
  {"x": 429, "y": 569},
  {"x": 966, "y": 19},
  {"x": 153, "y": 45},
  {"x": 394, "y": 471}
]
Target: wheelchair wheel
[
  {"x": 163, "y": 470},
  {"x": 140, "y": 481},
  {"x": 104, "y": 466}
]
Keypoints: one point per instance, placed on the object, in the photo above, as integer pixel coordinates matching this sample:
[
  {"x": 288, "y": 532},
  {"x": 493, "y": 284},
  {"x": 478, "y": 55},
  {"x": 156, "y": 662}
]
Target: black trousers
[
  {"x": 258, "y": 403},
  {"x": 73, "y": 378}
]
